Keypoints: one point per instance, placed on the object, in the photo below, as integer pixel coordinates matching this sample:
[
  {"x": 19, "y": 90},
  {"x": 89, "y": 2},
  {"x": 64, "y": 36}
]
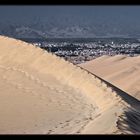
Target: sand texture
[
  {"x": 120, "y": 70},
  {"x": 41, "y": 93}
]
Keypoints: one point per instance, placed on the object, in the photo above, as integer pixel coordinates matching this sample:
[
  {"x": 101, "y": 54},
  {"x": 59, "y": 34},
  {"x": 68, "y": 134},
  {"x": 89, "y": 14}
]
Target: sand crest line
[{"x": 89, "y": 99}]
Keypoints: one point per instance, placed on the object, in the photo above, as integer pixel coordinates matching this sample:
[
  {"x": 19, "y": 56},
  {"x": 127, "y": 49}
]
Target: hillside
[
  {"x": 41, "y": 93},
  {"x": 121, "y": 70}
]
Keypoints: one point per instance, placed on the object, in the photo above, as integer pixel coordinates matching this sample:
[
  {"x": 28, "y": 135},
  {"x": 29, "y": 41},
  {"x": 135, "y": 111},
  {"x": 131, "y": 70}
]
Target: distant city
[
  {"x": 76, "y": 33},
  {"x": 80, "y": 50}
]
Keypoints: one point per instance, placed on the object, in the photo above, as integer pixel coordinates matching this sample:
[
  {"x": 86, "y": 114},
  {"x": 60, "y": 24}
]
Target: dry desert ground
[{"x": 41, "y": 93}]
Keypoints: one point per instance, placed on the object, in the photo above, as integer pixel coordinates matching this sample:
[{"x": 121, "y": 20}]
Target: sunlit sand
[{"x": 41, "y": 93}]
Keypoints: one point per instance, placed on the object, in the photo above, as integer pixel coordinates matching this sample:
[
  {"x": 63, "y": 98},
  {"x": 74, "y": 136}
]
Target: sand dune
[
  {"x": 122, "y": 71},
  {"x": 44, "y": 94}
]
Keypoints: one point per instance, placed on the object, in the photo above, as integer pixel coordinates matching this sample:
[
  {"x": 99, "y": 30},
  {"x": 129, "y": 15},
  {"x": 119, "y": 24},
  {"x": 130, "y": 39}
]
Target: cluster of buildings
[{"x": 81, "y": 52}]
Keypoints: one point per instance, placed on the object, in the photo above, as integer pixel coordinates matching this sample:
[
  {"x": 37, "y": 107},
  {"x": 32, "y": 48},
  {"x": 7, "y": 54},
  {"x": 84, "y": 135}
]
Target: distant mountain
[{"x": 62, "y": 29}]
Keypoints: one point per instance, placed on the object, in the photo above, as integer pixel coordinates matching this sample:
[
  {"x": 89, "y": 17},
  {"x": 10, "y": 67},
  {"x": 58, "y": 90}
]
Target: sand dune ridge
[{"x": 50, "y": 95}]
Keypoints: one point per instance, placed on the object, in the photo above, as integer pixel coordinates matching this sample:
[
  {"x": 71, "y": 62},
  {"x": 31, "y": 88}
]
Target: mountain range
[{"x": 67, "y": 29}]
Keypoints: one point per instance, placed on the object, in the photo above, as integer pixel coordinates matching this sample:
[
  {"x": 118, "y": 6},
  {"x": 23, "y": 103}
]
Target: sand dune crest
[{"x": 42, "y": 93}]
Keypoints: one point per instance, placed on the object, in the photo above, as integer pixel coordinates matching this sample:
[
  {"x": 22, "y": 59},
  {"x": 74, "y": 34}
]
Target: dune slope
[
  {"x": 122, "y": 71},
  {"x": 44, "y": 94}
]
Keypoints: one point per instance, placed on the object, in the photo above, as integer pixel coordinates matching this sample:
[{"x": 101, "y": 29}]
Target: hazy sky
[{"x": 122, "y": 14}]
